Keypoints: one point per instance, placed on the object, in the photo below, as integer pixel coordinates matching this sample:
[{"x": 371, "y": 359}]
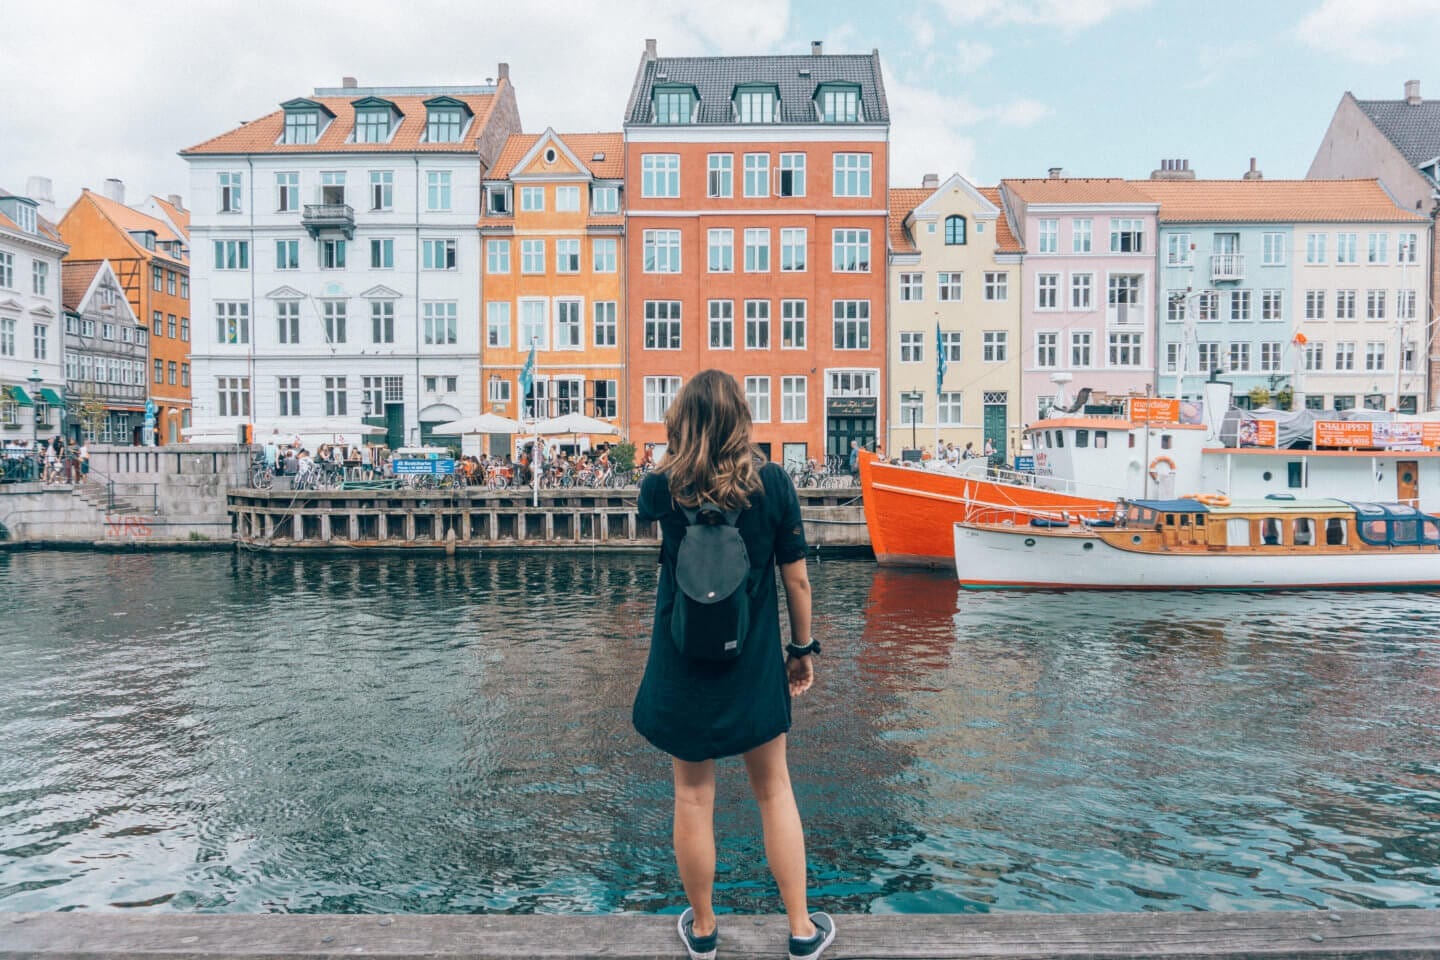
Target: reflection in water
[{"x": 255, "y": 733}]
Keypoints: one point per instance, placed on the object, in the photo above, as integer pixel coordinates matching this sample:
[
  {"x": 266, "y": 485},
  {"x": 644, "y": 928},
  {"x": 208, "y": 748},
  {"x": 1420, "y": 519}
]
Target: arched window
[{"x": 954, "y": 230}]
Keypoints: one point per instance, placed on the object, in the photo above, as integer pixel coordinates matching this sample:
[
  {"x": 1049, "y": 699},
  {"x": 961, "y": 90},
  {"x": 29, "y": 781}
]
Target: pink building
[{"x": 1087, "y": 291}]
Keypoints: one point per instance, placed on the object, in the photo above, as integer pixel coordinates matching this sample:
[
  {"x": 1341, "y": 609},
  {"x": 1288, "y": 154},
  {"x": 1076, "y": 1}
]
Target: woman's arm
[{"x": 796, "y": 579}]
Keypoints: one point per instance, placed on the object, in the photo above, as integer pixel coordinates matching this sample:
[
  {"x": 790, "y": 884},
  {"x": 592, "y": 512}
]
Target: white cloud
[
  {"x": 1064, "y": 14},
  {"x": 1367, "y": 32},
  {"x": 1022, "y": 113}
]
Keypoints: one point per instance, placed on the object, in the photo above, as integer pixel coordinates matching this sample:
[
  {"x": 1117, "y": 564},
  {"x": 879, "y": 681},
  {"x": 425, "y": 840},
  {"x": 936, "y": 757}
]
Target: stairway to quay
[{"x": 1408, "y": 934}]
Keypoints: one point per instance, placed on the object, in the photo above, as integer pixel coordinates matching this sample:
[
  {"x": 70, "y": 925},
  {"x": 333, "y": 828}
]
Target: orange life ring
[
  {"x": 1156, "y": 462},
  {"x": 1212, "y": 499}
]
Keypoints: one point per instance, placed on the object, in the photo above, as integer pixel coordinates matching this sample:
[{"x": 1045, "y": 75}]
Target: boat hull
[{"x": 1024, "y": 559}]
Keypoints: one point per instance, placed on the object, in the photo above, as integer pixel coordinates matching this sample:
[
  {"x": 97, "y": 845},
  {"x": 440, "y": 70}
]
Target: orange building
[
  {"x": 554, "y": 278},
  {"x": 756, "y": 230},
  {"x": 151, "y": 259}
]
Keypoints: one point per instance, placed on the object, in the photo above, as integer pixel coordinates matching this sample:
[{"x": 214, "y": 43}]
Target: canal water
[{"x": 254, "y": 733}]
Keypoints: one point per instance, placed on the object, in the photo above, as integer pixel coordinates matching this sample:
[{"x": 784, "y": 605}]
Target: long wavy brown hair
[{"x": 710, "y": 458}]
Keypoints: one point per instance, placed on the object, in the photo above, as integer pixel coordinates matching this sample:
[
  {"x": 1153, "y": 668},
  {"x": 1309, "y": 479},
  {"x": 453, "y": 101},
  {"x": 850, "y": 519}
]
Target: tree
[
  {"x": 91, "y": 412},
  {"x": 622, "y": 455}
]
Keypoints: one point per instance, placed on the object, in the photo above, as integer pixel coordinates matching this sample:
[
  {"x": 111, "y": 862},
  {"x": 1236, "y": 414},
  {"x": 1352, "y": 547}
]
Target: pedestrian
[
  {"x": 84, "y": 459},
  {"x": 854, "y": 456},
  {"x": 697, "y": 710},
  {"x": 989, "y": 450}
]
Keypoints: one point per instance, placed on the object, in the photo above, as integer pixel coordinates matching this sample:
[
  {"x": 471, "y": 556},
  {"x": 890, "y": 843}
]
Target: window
[
  {"x": 912, "y": 347},
  {"x": 721, "y": 251},
  {"x": 852, "y": 324},
  {"x": 1177, "y": 250},
  {"x": 439, "y": 322},
  {"x": 1379, "y": 242},
  {"x": 497, "y": 199},
  {"x": 499, "y": 391},
  {"x": 7, "y": 337},
  {"x": 184, "y": 287},
  {"x": 662, "y": 325},
  {"x": 912, "y": 286},
  {"x": 169, "y": 329},
  {"x": 25, "y": 220},
  {"x": 1239, "y": 356},
  {"x": 532, "y": 256},
  {"x": 1314, "y": 248},
  {"x": 497, "y": 324},
  {"x": 757, "y": 175},
  {"x": 41, "y": 341},
  {"x": 382, "y": 321},
  {"x": 1125, "y": 297},
  {"x": 997, "y": 286},
  {"x": 185, "y": 329},
  {"x": 1080, "y": 347},
  {"x": 1209, "y": 354},
  {"x": 1407, "y": 359},
  {"x": 1174, "y": 306},
  {"x": 332, "y": 254},
  {"x": 336, "y": 397},
  {"x": 792, "y": 324},
  {"x": 757, "y": 324},
  {"x": 1314, "y": 304},
  {"x": 993, "y": 346},
  {"x": 107, "y": 331},
  {"x": 1405, "y": 247},
  {"x": 604, "y": 199},
  {"x": 1405, "y": 304},
  {"x": 1081, "y": 291},
  {"x": 444, "y": 124},
  {"x": 1047, "y": 291},
  {"x": 372, "y": 126},
  {"x": 792, "y": 400},
  {"x": 950, "y": 345},
  {"x": 851, "y": 250},
  {"x": 1273, "y": 249},
  {"x": 606, "y": 399},
  {"x": 567, "y": 199},
  {"x": 954, "y": 230},
  {"x": 1125, "y": 349},
  {"x": 532, "y": 199},
  {"x": 39, "y": 275},
  {"x": 722, "y": 324},
  {"x": 334, "y": 312},
  {"x": 567, "y": 256},
  {"x": 660, "y": 175},
  {"x": 949, "y": 405},
  {"x": 287, "y": 192},
  {"x": 382, "y": 189},
  {"x": 157, "y": 321},
  {"x": 1081, "y": 232},
  {"x": 1343, "y": 403},
  {"x": 1347, "y": 248},
  {"x": 662, "y": 251},
  {"x": 1375, "y": 304},
  {"x": 659, "y": 394},
  {"x": 603, "y": 254},
  {"x": 1049, "y": 235},
  {"x": 1127, "y": 236},
  {"x": 673, "y": 105},
  {"x": 1345, "y": 356},
  {"x": 1172, "y": 357},
  {"x": 332, "y": 186},
  {"x": 852, "y": 174},
  {"x": 287, "y": 321},
  {"x": 232, "y": 322},
  {"x": 1375, "y": 355},
  {"x": 497, "y": 256},
  {"x": 437, "y": 190},
  {"x": 1272, "y": 304},
  {"x": 912, "y": 407},
  {"x": 301, "y": 126},
  {"x": 792, "y": 175},
  {"x": 793, "y": 243},
  {"x": 229, "y": 255},
  {"x": 1315, "y": 355},
  {"x": 757, "y": 250},
  {"x": 172, "y": 372},
  {"x": 569, "y": 325},
  {"x": 229, "y": 185},
  {"x": 839, "y": 105},
  {"x": 234, "y": 395},
  {"x": 184, "y": 374},
  {"x": 438, "y": 254},
  {"x": 604, "y": 313},
  {"x": 1344, "y": 304},
  {"x": 169, "y": 281},
  {"x": 757, "y": 395},
  {"x": 1047, "y": 349},
  {"x": 288, "y": 389},
  {"x": 382, "y": 253},
  {"x": 950, "y": 286},
  {"x": 720, "y": 175},
  {"x": 1269, "y": 357},
  {"x": 157, "y": 274}
]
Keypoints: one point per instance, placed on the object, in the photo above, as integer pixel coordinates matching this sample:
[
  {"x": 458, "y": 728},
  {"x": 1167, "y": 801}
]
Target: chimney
[
  {"x": 1252, "y": 173},
  {"x": 1412, "y": 92},
  {"x": 114, "y": 189},
  {"x": 650, "y": 53},
  {"x": 817, "y": 48},
  {"x": 930, "y": 181},
  {"x": 174, "y": 200},
  {"x": 1173, "y": 169},
  {"x": 502, "y": 72},
  {"x": 348, "y": 83},
  {"x": 42, "y": 191},
  {"x": 1056, "y": 173}
]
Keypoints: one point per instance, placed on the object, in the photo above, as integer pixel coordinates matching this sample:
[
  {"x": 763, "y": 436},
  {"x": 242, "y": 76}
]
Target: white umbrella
[
  {"x": 575, "y": 423},
  {"x": 482, "y": 423}
]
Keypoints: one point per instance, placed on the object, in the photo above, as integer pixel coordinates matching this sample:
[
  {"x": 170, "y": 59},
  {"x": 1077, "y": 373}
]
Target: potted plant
[
  {"x": 1284, "y": 398},
  {"x": 1259, "y": 397}
]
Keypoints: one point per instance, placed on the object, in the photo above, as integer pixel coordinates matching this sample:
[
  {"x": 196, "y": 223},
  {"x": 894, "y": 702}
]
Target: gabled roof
[
  {"x": 904, "y": 200},
  {"x": 1078, "y": 190},
  {"x": 1273, "y": 201},
  {"x": 1413, "y": 128},
  {"x": 178, "y": 217},
  {"x": 128, "y": 220},
  {"x": 796, "y": 77},
  {"x": 263, "y": 135},
  {"x": 1005, "y": 239},
  {"x": 46, "y": 229},
  {"x": 583, "y": 146},
  {"x": 75, "y": 281}
]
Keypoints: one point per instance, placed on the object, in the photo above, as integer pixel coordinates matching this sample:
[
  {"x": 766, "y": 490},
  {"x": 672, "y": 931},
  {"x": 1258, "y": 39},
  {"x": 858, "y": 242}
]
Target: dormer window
[
  {"x": 838, "y": 103},
  {"x": 25, "y": 217},
  {"x": 375, "y": 119},
  {"x": 497, "y": 200},
  {"x": 756, "y": 104},
  {"x": 146, "y": 238},
  {"x": 675, "y": 104},
  {"x": 604, "y": 199},
  {"x": 445, "y": 120},
  {"x": 305, "y": 120}
]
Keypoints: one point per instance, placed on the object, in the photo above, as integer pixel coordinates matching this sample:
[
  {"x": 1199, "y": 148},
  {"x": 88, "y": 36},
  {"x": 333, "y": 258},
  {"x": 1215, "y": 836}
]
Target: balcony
[
  {"x": 1227, "y": 266},
  {"x": 319, "y": 217}
]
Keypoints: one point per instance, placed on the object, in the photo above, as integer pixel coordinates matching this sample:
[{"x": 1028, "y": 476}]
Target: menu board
[
  {"x": 1154, "y": 410},
  {"x": 1257, "y": 433}
]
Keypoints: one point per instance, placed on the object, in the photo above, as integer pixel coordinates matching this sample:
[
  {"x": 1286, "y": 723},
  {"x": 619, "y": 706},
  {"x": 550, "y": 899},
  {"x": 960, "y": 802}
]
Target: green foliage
[
  {"x": 622, "y": 455},
  {"x": 1259, "y": 397},
  {"x": 1285, "y": 398},
  {"x": 197, "y": 535}
]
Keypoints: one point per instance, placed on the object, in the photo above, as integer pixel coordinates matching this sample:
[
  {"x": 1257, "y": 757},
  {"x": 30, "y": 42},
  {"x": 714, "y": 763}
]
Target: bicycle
[{"x": 262, "y": 475}]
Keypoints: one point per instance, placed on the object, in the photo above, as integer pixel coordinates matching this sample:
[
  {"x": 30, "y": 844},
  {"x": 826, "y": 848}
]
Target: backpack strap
[{"x": 732, "y": 517}]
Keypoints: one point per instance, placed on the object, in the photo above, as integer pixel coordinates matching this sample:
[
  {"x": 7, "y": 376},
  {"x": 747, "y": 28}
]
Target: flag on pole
[
  {"x": 527, "y": 375},
  {"x": 940, "y": 363}
]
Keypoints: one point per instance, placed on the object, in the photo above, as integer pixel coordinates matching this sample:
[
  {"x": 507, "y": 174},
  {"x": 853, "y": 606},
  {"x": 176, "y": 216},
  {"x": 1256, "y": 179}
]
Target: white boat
[{"x": 1271, "y": 544}]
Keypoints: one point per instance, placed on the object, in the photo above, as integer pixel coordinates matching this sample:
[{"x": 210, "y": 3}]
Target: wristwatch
[{"x": 796, "y": 650}]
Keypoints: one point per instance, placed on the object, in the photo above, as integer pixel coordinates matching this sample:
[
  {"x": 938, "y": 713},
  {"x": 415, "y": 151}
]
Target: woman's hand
[{"x": 802, "y": 674}]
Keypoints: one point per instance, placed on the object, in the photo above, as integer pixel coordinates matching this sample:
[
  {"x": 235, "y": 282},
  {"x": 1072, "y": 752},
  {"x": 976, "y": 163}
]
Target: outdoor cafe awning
[{"x": 18, "y": 394}]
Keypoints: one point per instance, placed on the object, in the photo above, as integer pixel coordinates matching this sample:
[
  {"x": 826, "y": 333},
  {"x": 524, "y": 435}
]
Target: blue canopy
[{"x": 1171, "y": 506}]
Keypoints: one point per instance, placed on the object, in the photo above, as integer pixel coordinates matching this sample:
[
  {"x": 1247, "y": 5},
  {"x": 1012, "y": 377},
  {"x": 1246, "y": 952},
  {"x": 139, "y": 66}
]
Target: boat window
[
  {"x": 1049, "y": 440},
  {"x": 1237, "y": 532},
  {"x": 1166, "y": 441},
  {"x": 1102, "y": 438},
  {"x": 1335, "y": 532},
  {"x": 1141, "y": 516},
  {"x": 1132, "y": 441},
  {"x": 1304, "y": 535},
  {"x": 1184, "y": 519},
  {"x": 1296, "y": 470},
  {"x": 1430, "y": 531},
  {"x": 1082, "y": 438},
  {"x": 1375, "y": 532},
  {"x": 1059, "y": 438},
  {"x": 1270, "y": 531},
  {"x": 1169, "y": 519}
]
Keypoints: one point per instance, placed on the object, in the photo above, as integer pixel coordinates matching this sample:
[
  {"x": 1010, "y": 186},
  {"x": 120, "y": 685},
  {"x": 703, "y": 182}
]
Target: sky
[{"x": 987, "y": 88}]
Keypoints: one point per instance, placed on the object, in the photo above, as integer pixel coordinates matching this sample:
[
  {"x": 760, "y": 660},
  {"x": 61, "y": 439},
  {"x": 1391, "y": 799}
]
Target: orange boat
[{"x": 911, "y": 512}]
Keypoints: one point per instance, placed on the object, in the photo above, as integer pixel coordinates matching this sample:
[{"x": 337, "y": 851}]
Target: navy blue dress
[{"x": 699, "y": 709}]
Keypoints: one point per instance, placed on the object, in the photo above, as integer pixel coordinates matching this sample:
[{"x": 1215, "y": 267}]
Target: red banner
[
  {"x": 1154, "y": 410},
  {"x": 1430, "y": 436},
  {"x": 1344, "y": 433}
]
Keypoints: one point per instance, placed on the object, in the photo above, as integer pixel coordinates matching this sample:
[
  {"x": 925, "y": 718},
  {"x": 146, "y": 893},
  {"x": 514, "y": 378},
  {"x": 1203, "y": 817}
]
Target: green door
[
  {"x": 996, "y": 406},
  {"x": 394, "y": 425}
]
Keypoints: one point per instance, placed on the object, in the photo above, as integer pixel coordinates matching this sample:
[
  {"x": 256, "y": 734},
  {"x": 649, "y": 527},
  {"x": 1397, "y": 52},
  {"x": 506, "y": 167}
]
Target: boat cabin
[
  {"x": 1116, "y": 457},
  {"x": 1285, "y": 526}
]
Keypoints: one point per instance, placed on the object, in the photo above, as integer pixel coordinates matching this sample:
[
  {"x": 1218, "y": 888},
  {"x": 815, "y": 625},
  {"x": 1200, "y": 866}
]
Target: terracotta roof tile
[
  {"x": 583, "y": 145},
  {"x": 1077, "y": 190},
  {"x": 129, "y": 219},
  {"x": 1273, "y": 201},
  {"x": 902, "y": 201},
  {"x": 1005, "y": 239},
  {"x": 263, "y": 135},
  {"x": 75, "y": 278}
]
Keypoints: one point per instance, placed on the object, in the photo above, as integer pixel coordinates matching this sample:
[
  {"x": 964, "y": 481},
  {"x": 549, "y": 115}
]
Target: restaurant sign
[
  {"x": 408, "y": 468},
  {"x": 1154, "y": 410},
  {"x": 852, "y": 406}
]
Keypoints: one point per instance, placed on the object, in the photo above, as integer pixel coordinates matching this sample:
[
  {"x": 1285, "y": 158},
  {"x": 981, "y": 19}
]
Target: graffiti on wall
[{"x": 127, "y": 527}]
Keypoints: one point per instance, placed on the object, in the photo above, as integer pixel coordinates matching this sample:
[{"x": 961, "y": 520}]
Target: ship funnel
[{"x": 1217, "y": 395}]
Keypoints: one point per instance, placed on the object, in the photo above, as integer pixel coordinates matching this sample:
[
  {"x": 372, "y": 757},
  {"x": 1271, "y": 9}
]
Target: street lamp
[{"x": 35, "y": 381}]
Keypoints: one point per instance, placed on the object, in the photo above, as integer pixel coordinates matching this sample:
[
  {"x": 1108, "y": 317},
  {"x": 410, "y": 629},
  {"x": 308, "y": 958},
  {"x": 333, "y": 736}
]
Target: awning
[
  {"x": 51, "y": 397},
  {"x": 18, "y": 394}
]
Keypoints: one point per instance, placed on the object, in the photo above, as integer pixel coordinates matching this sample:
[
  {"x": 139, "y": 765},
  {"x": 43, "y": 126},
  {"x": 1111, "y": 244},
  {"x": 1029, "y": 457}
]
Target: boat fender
[{"x": 1154, "y": 464}]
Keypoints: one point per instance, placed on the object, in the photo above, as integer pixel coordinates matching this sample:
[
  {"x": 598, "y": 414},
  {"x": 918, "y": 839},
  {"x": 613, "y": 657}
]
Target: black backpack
[{"x": 711, "y": 614}]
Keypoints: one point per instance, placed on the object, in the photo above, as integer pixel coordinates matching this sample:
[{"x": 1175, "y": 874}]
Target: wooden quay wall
[{"x": 1391, "y": 934}]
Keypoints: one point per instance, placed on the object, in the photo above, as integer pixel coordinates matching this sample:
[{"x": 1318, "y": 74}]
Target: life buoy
[{"x": 1154, "y": 475}]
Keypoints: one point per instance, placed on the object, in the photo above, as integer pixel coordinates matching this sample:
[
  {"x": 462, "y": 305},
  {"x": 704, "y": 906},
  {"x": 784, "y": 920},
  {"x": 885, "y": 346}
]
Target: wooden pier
[{"x": 1395, "y": 934}]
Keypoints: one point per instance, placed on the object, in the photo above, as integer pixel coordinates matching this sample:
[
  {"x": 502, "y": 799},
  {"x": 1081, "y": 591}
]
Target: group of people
[{"x": 49, "y": 461}]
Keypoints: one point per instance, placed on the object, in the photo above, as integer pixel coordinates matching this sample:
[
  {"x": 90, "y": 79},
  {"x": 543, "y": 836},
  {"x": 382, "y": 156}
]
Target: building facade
[
  {"x": 32, "y": 384},
  {"x": 553, "y": 230},
  {"x": 151, "y": 260},
  {"x": 755, "y": 229},
  {"x": 338, "y": 273},
  {"x": 954, "y": 267},
  {"x": 1087, "y": 289},
  {"x": 106, "y": 354}
]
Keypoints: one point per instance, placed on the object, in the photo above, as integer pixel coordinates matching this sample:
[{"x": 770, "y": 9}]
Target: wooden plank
[{"x": 1276, "y": 935}]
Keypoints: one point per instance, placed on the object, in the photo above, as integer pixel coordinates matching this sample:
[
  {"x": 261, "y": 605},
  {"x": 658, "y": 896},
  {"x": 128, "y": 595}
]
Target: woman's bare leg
[
  {"x": 784, "y": 837},
  {"x": 695, "y": 838}
]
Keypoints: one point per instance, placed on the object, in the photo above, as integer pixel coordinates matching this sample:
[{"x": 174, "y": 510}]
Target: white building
[
  {"x": 32, "y": 375},
  {"x": 336, "y": 269}
]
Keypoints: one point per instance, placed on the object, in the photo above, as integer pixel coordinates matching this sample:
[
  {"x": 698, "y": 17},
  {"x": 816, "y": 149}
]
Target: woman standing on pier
[{"x": 697, "y": 710}]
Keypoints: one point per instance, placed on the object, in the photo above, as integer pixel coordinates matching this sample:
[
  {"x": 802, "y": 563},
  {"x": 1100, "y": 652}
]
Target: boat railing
[
  {"x": 983, "y": 511},
  {"x": 1066, "y": 485}
]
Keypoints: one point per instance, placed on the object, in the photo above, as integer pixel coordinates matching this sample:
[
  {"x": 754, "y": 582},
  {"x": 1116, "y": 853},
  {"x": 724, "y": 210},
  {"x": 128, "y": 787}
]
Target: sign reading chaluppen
[
  {"x": 1344, "y": 433},
  {"x": 1154, "y": 410},
  {"x": 1393, "y": 435}
]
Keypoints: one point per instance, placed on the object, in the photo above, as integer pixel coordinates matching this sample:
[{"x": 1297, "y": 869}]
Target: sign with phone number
[{"x": 404, "y": 468}]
